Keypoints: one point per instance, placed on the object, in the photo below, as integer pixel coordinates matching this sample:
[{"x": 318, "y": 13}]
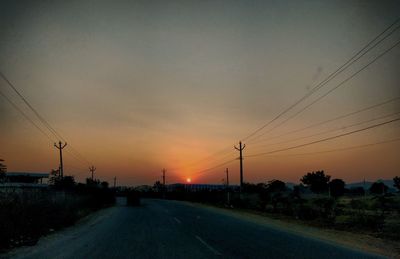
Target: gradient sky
[{"x": 135, "y": 86}]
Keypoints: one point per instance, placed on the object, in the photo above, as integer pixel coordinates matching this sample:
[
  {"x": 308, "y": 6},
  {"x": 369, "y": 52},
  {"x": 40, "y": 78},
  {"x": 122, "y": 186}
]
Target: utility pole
[
  {"x": 92, "y": 169},
  {"x": 227, "y": 187},
  {"x": 60, "y": 146},
  {"x": 115, "y": 181},
  {"x": 227, "y": 177},
  {"x": 365, "y": 192},
  {"x": 240, "y": 149},
  {"x": 163, "y": 177}
]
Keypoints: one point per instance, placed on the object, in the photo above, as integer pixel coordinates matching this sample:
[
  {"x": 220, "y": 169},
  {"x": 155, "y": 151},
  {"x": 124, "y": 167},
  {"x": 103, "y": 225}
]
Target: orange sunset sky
[{"x": 137, "y": 86}]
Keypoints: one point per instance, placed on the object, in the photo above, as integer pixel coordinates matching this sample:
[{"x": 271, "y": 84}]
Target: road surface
[{"x": 172, "y": 229}]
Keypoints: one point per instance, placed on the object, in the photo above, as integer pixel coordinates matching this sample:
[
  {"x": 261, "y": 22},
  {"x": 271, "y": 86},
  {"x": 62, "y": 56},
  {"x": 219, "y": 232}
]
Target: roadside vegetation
[
  {"x": 319, "y": 201},
  {"x": 28, "y": 213}
]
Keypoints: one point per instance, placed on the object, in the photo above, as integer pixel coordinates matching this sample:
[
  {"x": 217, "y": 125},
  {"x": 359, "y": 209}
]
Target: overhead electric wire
[
  {"x": 214, "y": 167},
  {"x": 26, "y": 116},
  {"x": 330, "y": 120},
  {"x": 341, "y": 149},
  {"x": 78, "y": 154},
  {"x": 76, "y": 157},
  {"x": 41, "y": 119},
  {"x": 331, "y": 130},
  {"x": 333, "y": 89},
  {"x": 319, "y": 98},
  {"x": 207, "y": 158},
  {"x": 349, "y": 62},
  {"x": 340, "y": 69},
  {"x": 325, "y": 139},
  {"x": 45, "y": 123}
]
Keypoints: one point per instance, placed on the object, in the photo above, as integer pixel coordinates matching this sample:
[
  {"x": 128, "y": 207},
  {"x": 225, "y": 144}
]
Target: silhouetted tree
[
  {"x": 336, "y": 187},
  {"x": 317, "y": 181},
  {"x": 276, "y": 186},
  {"x": 356, "y": 191},
  {"x": 92, "y": 182},
  {"x": 296, "y": 191},
  {"x": 54, "y": 177},
  {"x": 158, "y": 186},
  {"x": 3, "y": 170},
  {"x": 396, "y": 181},
  {"x": 3, "y": 167},
  {"x": 67, "y": 182},
  {"x": 378, "y": 188},
  {"x": 270, "y": 193},
  {"x": 104, "y": 184},
  {"x": 253, "y": 188}
]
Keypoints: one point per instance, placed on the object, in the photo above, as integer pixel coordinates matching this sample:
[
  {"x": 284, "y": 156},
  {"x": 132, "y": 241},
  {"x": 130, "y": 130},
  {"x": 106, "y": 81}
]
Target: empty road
[{"x": 172, "y": 229}]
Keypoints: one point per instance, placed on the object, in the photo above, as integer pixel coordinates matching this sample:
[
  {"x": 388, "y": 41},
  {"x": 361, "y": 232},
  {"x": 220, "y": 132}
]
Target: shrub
[{"x": 26, "y": 214}]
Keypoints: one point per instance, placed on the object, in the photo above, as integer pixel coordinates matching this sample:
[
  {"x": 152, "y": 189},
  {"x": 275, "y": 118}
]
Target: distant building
[
  {"x": 199, "y": 187},
  {"x": 144, "y": 188},
  {"x": 25, "y": 179}
]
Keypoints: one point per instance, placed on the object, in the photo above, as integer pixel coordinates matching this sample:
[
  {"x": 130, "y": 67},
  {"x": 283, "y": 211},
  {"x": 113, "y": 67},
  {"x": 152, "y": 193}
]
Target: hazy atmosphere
[{"x": 137, "y": 86}]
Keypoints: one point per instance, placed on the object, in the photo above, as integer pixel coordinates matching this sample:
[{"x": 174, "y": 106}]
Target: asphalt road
[{"x": 171, "y": 229}]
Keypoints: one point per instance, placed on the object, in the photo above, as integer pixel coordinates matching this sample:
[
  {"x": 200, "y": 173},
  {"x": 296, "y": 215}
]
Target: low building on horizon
[
  {"x": 25, "y": 180},
  {"x": 200, "y": 187}
]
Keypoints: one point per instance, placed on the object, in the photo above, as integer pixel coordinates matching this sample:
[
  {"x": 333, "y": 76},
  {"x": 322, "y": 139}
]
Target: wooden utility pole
[
  {"x": 227, "y": 177},
  {"x": 227, "y": 187},
  {"x": 60, "y": 146},
  {"x": 92, "y": 169},
  {"x": 163, "y": 181},
  {"x": 240, "y": 149},
  {"x": 115, "y": 181}
]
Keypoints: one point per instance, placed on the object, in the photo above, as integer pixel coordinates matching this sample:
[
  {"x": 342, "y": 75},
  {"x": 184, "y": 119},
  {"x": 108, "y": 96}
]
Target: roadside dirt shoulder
[{"x": 359, "y": 241}]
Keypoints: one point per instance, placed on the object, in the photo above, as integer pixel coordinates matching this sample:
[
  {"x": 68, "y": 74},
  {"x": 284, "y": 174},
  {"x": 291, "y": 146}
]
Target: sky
[{"x": 138, "y": 86}]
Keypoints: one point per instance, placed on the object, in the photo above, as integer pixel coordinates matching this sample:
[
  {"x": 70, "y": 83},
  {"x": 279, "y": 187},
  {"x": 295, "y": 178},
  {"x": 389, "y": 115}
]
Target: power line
[
  {"x": 343, "y": 149},
  {"x": 336, "y": 87},
  {"x": 79, "y": 171},
  {"x": 340, "y": 69},
  {"x": 77, "y": 158},
  {"x": 214, "y": 167},
  {"x": 330, "y": 120},
  {"x": 26, "y": 116},
  {"x": 332, "y": 130},
  {"x": 32, "y": 122},
  {"x": 207, "y": 158},
  {"x": 77, "y": 155},
  {"x": 349, "y": 62},
  {"x": 45, "y": 123},
  {"x": 325, "y": 139}
]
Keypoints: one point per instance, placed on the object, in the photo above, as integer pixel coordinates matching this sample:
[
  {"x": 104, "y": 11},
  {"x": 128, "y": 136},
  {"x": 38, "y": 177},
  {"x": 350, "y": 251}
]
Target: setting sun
[{"x": 188, "y": 180}]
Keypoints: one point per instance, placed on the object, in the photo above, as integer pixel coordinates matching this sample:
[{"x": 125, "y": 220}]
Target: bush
[
  {"x": 325, "y": 207},
  {"x": 306, "y": 211},
  {"x": 391, "y": 228},
  {"x": 26, "y": 214},
  {"x": 359, "y": 221}
]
